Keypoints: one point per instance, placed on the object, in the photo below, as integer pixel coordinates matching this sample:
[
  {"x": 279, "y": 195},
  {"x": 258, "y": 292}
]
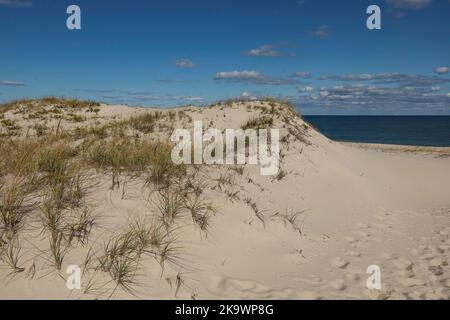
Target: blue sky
[{"x": 316, "y": 53}]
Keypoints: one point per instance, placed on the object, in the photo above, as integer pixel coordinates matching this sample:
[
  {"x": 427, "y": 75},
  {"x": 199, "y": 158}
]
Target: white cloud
[
  {"x": 322, "y": 31},
  {"x": 248, "y": 95},
  {"x": 168, "y": 98},
  {"x": 307, "y": 89},
  {"x": 302, "y": 74},
  {"x": 238, "y": 75},
  {"x": 11, "y": 83},
  {"x": 263, "y": 51},
  {"x": 255, "y": 77},
  {"x": 442, "y": 70},
  {"x": 409, "y": 4},
  {"x": 15, "y": 3},
  {"x": 184, "y": 63}
]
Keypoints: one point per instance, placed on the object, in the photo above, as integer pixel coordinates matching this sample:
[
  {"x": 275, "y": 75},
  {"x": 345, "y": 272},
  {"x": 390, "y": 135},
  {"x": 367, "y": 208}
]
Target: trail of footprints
[{"x": 419, "y": 271}]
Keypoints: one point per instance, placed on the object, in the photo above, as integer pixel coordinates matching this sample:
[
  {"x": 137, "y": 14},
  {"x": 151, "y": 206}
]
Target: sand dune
[{"x": 310, "y": 232}]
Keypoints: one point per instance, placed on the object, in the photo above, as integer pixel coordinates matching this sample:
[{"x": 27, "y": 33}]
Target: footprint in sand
[
  {"x": 437, "y": 262},
  {"x": 405, "y": 274},
  {"x": 338, "y": 284},
  {"x": 412, "y": 282},
  {"x": 313, "y": 280},
  {"x": 362, "y": 234},
  {"x": 447, "y": 283},
  {"x": 382, "y": 225},
  {"x": 376, "y": 294},
  {"x": 352, "y": 277},
  {"x": 387, "y": 256},
  {"x": 403, "y": 264},
  {"x": 350, "y": 239},
  {"x": 339, "y": 263},
  {"x": 354, "y": 254}
]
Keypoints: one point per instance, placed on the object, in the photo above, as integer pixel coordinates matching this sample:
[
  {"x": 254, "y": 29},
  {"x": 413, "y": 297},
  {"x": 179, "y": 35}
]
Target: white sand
[{"x": 363, "y": 205}]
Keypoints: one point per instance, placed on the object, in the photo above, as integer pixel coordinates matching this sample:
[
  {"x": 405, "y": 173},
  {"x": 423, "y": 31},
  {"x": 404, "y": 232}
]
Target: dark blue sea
[{"x": 405, "y": 130}]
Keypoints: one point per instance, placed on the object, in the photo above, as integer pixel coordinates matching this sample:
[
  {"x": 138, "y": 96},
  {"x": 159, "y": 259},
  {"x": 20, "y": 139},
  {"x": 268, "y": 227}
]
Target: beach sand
[{"x": 310, "y": 233}]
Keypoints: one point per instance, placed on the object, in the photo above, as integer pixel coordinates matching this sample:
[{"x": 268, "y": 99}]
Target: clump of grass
[
  {"x": 79, "y": 225},
  {"x": 120, "y": 260},
  {"x": 64, "y": 213},
  {"x": 170, "y": 205},
  {"x": 40, "y": 129},
  {"x": 121, "y": 254},
  {"x": 281, "y": 175},
  {"x": 125, "y": 155},
  {"x": 53, "y": 223},
  {"x": 11, "y": 127},
  {"x": 53, "y": 162},
  {"x": 14, "y": 206},
  {"x": 10, "y": 254},
  {"x": 262, "y": 122},
  {"x": 224, "y": 180},
  {"x": 229, "y": 103},
  {"x": 176, "y": 282},
  {"x": 291, "y": 217},
  {"x": 114, "y": 156},
  {"x": 162, "y": 171},
  {"x": 100, "y": 132},
  {"x": 201, "y": 211},
  {"x": 144, "y": 123},
  {"x": 258, "y": 213},
  {"x": 238, "y": 169},
  {"x": 172, "y": 115},
  {"x": 75, "y": 117},
  {"x": 92, "y": 107},
  {"x": 299, "y": 134}
]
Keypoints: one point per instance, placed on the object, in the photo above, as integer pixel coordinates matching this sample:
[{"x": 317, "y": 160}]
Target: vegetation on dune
[
  {"x": 25, "y": 105},
  {"x": 262, "y": 122},
  {"x": 48, "y": 171}
]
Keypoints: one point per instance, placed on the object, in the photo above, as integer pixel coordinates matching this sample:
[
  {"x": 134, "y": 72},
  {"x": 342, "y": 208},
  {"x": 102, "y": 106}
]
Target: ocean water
[{"x": 405, "y": 130}]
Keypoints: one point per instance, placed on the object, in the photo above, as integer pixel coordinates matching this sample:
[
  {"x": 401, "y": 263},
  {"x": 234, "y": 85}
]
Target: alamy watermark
[
  {"x": 228, "y": 147},
  {"x": 374, "y": 280},
  {"x": 73, "y": 22}
]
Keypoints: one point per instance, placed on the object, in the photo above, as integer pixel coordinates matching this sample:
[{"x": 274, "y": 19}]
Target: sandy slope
[{"x": 361, "y": 205}]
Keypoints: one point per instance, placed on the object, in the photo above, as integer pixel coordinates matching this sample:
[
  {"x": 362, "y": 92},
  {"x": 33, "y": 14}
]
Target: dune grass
[
  {"x": 135, "y": 157},
  {"x": 291, "y": 217},
  {"x": 169, "y": 203},
  {"x": 201, "y": 210},
  {"x": 10, "y": 253},
  {"x": 262, "y": 122},
  {"x": 26, "y": 104},
  {"x": 15, "y": 205},
  {"x": 146, "y": 122},
  {"x": 121, "y": 254},
  {"x": 48, "y": 170}
]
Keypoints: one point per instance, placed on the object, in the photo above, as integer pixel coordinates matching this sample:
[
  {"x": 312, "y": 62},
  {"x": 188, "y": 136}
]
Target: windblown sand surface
[{"x": 310, "y": 233}]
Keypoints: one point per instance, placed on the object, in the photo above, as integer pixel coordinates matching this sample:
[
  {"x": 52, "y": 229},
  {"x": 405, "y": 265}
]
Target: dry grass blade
[
  {"x": 201, "y": 211},
  {"x": 10, "y": 254},
  {"x": 170, "y": 205},
  {"x": 122, "y": 253},
  {"x": 80, "y": 224},
  {"x": 14, "y": 206},
  {"x": 291, "y": 217}
]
